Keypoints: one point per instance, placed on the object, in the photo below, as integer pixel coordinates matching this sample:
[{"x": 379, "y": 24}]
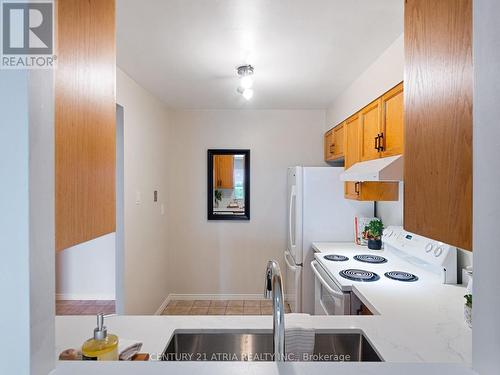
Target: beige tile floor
[
  {"x": 87, "y": 307},
  {"x": 216, "y": 307},
  {"x": 176, "y": 307}
]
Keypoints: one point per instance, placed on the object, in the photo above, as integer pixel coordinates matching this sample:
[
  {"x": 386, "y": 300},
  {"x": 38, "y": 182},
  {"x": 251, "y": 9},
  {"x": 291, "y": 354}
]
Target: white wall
[
  {"x": 42, "y": 222},
  {"x": 14, "y": 221},
  {"x": 146, "y": 256},
  {"x": 486, "y": 153},
  {"x": 229, "y": 257},
  {"x": 27, "y": 221},
  {"x": 384, "y": 73},
  {"x": 87, "y": 271},
  {"x": 391, "y": 213}
]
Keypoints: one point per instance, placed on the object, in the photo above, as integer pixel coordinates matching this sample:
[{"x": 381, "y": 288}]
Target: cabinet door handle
[
  {"x": 331, "y": 147},
  {"x": 377, "y": 143},
  {"x": 380, "y": 140},
  {"x": 356, "y": 188}
]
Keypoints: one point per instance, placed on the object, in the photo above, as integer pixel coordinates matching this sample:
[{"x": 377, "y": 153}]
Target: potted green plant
[
  {"x": 373, "y": 232},
  {"x": 218, "y": 197},
  {"x": 468, "y": 309}
]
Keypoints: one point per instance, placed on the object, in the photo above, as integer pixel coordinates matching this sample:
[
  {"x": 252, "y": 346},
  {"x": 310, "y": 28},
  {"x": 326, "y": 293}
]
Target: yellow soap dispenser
[{"x": 103, "y": 346}]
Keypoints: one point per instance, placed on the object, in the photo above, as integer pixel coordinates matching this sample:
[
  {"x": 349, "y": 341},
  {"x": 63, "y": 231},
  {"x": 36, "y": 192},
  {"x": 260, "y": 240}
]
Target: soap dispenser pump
[{"x": 101, "y": 347}]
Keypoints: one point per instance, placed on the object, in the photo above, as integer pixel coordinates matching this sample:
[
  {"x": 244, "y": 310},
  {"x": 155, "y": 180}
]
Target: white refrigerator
[{"x": 317, "y": 212}]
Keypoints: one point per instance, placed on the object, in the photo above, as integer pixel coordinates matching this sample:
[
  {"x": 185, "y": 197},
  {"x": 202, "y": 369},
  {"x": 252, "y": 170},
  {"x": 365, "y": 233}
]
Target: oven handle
[{"x": 323, "y": 282}]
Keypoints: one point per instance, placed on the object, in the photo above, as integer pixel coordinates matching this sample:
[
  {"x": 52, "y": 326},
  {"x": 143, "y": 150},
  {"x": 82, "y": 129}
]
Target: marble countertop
[
  {"x": 256, "y": 368},
  {"x": 392, "y": 342}
]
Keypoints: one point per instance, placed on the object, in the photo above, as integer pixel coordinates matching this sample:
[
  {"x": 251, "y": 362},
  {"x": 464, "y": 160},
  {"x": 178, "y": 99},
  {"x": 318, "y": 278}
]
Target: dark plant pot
[{"x": 374, "y": 244}]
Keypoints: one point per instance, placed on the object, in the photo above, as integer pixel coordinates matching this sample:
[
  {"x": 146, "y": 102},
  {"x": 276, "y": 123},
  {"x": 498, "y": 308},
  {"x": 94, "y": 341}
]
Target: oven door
[{"x": 328, "y": 297}]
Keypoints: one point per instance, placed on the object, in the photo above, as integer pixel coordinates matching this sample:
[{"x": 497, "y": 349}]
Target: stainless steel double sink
[{"x": 258, "y": 346}]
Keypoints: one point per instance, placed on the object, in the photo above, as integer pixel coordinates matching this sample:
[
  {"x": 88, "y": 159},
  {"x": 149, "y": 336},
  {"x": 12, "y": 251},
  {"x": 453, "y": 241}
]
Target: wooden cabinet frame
[
  {"x": 370, "y": 131},
  {"x": 392, "y": 133},
  {"x": 438, "y": 121},
  {"x": 85, "y": 110}
]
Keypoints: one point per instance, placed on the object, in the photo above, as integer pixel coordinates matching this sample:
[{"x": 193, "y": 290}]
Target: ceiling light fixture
[
  {"x": 248, "y": 94},
  {"x": 246, "y": 82},
  {"x": 245, "y": 72}
]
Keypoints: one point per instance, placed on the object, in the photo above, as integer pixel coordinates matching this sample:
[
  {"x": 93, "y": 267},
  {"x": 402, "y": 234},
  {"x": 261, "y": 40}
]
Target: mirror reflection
[{"x": 229, "y": 183}]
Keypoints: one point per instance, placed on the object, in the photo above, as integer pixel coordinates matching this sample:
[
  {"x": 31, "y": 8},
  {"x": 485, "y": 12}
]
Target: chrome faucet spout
[{"x": 274, "y": 290}]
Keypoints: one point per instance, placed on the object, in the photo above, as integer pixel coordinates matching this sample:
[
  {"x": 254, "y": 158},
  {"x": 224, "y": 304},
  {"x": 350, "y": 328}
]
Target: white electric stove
[{"x": 406, "y": 259}]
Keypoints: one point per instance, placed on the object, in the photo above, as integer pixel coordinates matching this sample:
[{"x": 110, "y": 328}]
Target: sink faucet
[{"x": 274, "y": 290}]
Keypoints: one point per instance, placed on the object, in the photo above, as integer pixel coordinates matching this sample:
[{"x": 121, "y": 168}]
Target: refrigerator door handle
[
  {"x": 292, "y": 265},
  {"x": 291, "y": 208}
]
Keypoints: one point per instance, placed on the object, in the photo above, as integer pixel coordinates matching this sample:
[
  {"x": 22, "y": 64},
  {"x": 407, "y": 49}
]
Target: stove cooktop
[
  {"x": 369, "y": 258},
  {"x": 359, "y": 275},
  {"x": 336, "y": 258},
  {"x": 401, "y": 276}
]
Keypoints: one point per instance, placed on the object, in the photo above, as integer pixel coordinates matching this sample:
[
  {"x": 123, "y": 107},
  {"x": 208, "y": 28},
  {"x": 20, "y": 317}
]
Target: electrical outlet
[{"x": 137, "y": 197}]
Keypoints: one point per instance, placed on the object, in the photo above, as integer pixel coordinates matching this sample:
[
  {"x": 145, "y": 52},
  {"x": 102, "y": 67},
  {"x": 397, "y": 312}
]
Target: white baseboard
[
  {"x": 84, "y": 297},
  {"x": 189, "y": 297},
  {"x": 192, "y": 297},
  {"x": 163, "y": 305}
]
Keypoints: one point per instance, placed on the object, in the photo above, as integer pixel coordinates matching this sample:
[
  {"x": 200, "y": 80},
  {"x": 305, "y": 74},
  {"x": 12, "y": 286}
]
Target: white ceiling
[{"x": 305, "y": 52}]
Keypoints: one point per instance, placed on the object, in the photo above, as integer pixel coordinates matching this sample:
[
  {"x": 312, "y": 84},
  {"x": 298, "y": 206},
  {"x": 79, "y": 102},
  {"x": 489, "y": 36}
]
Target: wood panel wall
[
  {"x": 438, "y": 120},
  {"x": 85, "y": 120}
]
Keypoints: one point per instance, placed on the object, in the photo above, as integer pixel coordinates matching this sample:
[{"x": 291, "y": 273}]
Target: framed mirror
[{"x": 228, "y": 184}]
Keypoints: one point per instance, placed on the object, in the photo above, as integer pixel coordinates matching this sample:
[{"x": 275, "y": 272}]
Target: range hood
[{"x": 383, "y": 169}]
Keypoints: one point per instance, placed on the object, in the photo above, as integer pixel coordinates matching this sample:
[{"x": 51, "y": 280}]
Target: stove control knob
[
  {"x": 429, "y": 247},
  {"x": 438, "y": 251}
]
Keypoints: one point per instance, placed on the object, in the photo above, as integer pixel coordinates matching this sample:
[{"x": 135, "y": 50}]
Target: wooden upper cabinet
[
  {"x": 85, "y": 108},
  {"x": 370, "y": 131},
  {"x": 438, "y": 120},
  {"x": 391, "y": 126},
  {"x": 334, "y": 143},
  {"x": 375, "y": 131},
  {"x": 372, "y": 191},
  {"x": 381, "y": 124},
  {"x": 328, "y": 145},
  {"x": 224, "y": 171},
  {"x": 351, "y": 129},
  {"x": 363, "y": 191},
  {"x": 338, "y": 141},
  {"x": 351, "y": 190}
]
